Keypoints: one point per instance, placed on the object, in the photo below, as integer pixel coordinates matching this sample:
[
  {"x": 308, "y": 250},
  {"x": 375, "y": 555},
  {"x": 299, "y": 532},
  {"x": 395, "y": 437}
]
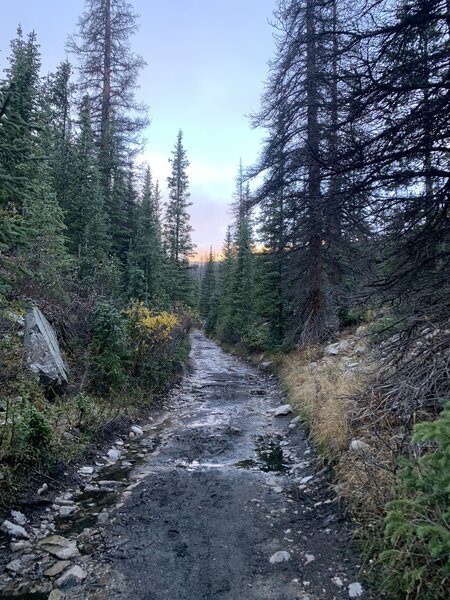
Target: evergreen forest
[{"x": 340, "y": 236}]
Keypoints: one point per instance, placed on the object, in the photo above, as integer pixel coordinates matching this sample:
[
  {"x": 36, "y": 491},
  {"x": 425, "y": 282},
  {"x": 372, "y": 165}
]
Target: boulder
[
  {"x": 281, "y": 411},
  {"x": 57, "y": 568},
  {"x": 44, "y": 355},
  {"x": 60, "y": 547},
  {"x": 73, "y": 576},
  {"x": 279, "y": 557},
  {"x": 137, "y": 430},
  {"x": 338, "y": 348},
  {"x": 15, "y": 531}
]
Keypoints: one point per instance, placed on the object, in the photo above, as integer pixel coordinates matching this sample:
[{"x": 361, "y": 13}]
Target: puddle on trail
[
  {"x": 270, "y": 457},
  {"x": 122, "y": 473}
]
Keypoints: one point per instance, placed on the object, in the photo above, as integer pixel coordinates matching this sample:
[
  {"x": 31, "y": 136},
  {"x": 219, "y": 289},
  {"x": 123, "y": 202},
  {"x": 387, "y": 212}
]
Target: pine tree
[
  {"x": 108, "y": 73},
  {"x": 147, "y": 255},
  {"x": 177, "y": 228},
  {"x": 207, "y": 287},
  {"x": 225, "y": 285},
  {"x": 33, "y": 200},
  {"x": 58, "y": 97}
]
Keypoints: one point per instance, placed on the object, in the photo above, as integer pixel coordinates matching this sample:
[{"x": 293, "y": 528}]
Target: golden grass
[
  {"x": 321, "y": 394},
  {"x": 332, "y": 400}
]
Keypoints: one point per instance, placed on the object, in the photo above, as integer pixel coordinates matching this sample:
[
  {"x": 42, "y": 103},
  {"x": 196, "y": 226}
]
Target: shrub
[
  {"x": 157, "y": 344},
  {"x": 417, "y": 524},
  {"x": 108, "y": 348}
]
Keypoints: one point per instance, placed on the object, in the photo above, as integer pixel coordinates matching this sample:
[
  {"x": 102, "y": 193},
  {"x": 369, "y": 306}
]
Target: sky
[{"x": 206, "y": 67}]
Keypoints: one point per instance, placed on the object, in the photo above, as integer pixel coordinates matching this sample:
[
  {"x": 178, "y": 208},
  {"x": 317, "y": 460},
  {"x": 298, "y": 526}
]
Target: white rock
[
  {"x": 66, "y": 511},
  {"x": 279, "y": 557},
  {"x": 137, "y": 430},
  {"x": 286, "y": 409},
  {"x": 19, "y": 546},
  {"x": 113, "y": 455},
  {"x": 306, "y": 479},
  {"x": 294, "y": 421},
  {"x": 60, "y": 547},
  {"x": 337, "y": 348},
  {"x": 84, "y": 471},
  {"x": 309, "y": 558},
  {"x": 18, "y": 517},
  {"x": 277, "y": 489},
  {"x": 42, "y": 489},
  {"x": 355, "y": 590},
  {"x": 73, "y": 576},
  {"x": 359, "y": 447},
  {"x": 337, "y": 581},
  {"x": 56, "y": 595},
  {"x": 15, "y": 531}
]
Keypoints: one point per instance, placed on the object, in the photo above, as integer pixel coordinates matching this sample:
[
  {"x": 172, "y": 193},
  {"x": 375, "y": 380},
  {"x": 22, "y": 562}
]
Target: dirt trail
[{"x": 224, "y": 492}]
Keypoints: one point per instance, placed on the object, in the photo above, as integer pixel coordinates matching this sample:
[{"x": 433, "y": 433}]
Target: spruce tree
[
  {"x": 208, "y": 288},
  {"x": 147, "y": 255},
  {"x": 177, "y": 228}
]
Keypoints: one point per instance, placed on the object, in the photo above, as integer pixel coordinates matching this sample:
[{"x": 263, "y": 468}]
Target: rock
[
  {"x": 266, "y": 365},
  {"x": 309, "y": 558},
  {"x": 15, "y": 566},
  {"x": 279, "y": 557},
  {"x": 84, "y": 471},
  {"x": 337, "y": 581},
  {"x": 57, "y": 568},
  {"x": 359, "y": 447},
  {"x": 355, "y": 590},
  {"x": 360, "y": 349},
  {"x": 42, "y": 489},
  {"x": 337, "y": 348},
  {"x": 18, "y": 517},
  {"x": 19, "y": 546},
  {"x": 103, "y": 517},
  {"x": 113, "y": 455},
  {"x": 286, "y": 409},
  {"x": 137, "y": 430},
  {"x": 56, "y": 595},
  {"x": 15, "y": 531},
  {"x": 44, "y": 355},
  {"x": 306, "y": 479},
  {"x": 66, "y": 511},
  {"x": 73, "y": 576},
  {"x": 60, "y": 547}
]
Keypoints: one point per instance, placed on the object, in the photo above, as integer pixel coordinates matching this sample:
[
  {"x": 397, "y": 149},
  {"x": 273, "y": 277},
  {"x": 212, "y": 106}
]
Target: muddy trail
[{"x": 220, "y": 499}]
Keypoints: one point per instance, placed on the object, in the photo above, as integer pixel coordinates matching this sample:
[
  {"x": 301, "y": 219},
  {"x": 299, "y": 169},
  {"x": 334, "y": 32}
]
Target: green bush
[
  {"x": 108, "y": 349},
  {"x": 417, "y": 526}
]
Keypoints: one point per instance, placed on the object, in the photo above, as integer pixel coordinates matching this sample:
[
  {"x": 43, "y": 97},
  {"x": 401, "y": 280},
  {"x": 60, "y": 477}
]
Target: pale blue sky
[{"x": 207, "y": 61}]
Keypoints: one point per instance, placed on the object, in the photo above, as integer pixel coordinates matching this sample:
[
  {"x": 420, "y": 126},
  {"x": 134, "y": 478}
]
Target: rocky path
[{"x": 220, "y": 500}]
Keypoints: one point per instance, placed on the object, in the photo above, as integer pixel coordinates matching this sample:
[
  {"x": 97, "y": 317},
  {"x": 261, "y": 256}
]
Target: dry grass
[
  {"x": 321, "y": 394},
  {"x": 332, "y": 400}
]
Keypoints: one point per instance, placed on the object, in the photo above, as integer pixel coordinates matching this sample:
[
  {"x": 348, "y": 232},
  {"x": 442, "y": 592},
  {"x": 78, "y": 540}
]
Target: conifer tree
[
  {"x": 177, "y": 228},
  {"x": 147, "y": 254},
  {"x": 225, "y": 282},
  {"x": 208, "y": 287}
]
